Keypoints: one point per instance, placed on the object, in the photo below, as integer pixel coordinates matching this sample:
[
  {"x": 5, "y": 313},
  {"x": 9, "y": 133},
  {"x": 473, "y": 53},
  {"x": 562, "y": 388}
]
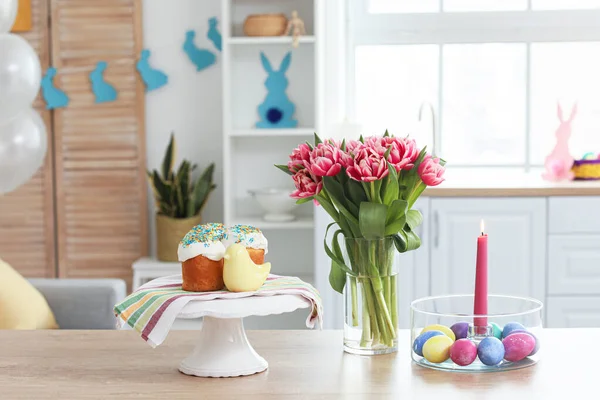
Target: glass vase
[{"x": 370, "y": 298}]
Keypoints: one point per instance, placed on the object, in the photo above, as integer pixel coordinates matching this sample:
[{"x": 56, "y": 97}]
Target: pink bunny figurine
[{"x": 559, "y": 162}]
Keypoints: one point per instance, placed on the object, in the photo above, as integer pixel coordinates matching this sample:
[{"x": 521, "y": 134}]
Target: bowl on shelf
[
  {"x": 276, "y": 203},
  {"x": 265, "y": 25},
  {"x": 445, "y": 335}
]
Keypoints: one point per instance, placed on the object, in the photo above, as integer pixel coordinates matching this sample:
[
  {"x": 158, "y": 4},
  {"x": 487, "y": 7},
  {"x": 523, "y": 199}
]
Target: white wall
[{"x": 190, "y": 104}]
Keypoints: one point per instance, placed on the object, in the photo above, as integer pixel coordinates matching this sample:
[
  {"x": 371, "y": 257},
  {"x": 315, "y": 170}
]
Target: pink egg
[
  {"x": 518, "y": 346},
  {"x": 463, "y": 352}
]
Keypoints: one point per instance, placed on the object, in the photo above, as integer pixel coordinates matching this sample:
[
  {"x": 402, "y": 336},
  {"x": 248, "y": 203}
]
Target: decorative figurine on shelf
[
  {"x": 153, "y": 78},
  {"x": 54, "y": 97},
  {"x": 213, "y": 33},
  {"x": 276, "y": 111},
  {"x": 559, "y": 162},
  {"x": 296, "y": 26},
  {"x": 201, "y": 58},
  {"x": 103, "y": 91}
]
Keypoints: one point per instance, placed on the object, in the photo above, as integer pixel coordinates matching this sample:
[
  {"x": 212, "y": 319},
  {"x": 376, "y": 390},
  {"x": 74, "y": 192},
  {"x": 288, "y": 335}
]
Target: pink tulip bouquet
[{"x": 368, "y": 187}]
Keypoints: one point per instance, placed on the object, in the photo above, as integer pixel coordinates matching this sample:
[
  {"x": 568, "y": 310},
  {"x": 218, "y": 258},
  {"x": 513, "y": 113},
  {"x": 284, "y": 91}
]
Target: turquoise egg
[
  {"x": 422, "y": 338},
  {"x": 496, "y": 330}
]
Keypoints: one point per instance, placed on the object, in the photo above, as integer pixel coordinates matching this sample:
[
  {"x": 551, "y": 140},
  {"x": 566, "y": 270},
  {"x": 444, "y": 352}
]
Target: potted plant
[{"x": 179, "y": 201}]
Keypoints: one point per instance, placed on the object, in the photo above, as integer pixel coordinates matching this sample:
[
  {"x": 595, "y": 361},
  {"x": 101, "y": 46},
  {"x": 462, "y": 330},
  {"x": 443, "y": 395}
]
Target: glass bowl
[{"x": 499, "y": 341}]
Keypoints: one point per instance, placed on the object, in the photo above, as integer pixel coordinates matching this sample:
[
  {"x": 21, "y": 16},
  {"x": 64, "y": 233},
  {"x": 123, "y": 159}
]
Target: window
[{"x": 493, "y": 71}]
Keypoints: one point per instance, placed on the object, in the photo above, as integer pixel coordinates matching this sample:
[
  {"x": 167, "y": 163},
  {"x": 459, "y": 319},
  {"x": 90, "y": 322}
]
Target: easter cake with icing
[
  {"x": 201, "y": 254},
  {"x": 250, "y": 237}
]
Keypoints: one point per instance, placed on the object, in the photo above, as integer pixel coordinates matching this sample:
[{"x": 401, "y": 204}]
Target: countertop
[
  {"x": 497, "y": 182},
  {"x": 302, "y": 364}
]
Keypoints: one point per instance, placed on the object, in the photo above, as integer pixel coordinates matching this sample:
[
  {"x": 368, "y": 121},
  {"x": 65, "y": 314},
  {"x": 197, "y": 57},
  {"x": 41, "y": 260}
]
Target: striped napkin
[{"x": 152, "y": 309}]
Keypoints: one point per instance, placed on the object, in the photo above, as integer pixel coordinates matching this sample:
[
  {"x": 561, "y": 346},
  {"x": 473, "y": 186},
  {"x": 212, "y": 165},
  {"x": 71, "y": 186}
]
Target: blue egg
[
  {"x": 490, "y": 351},
  {"x": 512, "y": 327},
  {"x": 422, "y": 338}
]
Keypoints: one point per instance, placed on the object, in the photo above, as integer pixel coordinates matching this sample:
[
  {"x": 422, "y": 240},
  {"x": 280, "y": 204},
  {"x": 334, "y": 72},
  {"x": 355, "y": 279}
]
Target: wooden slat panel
[
  {"x": 27, "y": 214},
  {"x": 100, "y": 148}
]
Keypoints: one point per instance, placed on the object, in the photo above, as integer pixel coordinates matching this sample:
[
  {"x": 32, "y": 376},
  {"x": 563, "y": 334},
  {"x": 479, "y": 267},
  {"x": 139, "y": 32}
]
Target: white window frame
[{"x": 441, "y": 28}]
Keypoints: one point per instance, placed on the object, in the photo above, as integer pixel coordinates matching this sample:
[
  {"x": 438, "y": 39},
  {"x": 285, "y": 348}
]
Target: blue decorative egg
[
  {"x": 460, "y": 329},
  {"x": 422, "y": 338},
  {"x": 490, "y": 351},
  {"x": 496, "y": 330},
  {"x": 512, "y": 327}
]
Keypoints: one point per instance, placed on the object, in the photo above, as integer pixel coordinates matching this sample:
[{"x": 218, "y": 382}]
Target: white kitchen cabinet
[
  {"x": 574, "y": 215},
  {"x": 573, "y": 312},
  {"x": 574, "y": 264},
  {"x": 516, "y": 229},
  {"x": 413, "y": 277}
]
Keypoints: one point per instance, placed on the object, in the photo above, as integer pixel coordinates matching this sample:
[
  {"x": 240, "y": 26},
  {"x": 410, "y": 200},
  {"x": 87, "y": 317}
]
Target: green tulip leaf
[
  {"x": 414, "y": 218},
  {"x": 371, "y": 219}
]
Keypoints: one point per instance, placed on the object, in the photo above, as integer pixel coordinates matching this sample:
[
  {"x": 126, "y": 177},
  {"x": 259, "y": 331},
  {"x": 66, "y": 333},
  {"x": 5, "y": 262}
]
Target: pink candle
[{"x": 481, "y": 281}]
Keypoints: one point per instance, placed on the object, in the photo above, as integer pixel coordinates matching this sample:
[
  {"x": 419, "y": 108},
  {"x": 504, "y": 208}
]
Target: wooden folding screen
[
  {"x": 26, "y": 215},
  {"x": 98, "y": 149}
]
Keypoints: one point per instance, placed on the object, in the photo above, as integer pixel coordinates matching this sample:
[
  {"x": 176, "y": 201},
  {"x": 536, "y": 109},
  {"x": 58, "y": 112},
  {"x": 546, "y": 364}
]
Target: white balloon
[
  {"x": 20, "y": 75},
  {"x": 23, "y": 144},
  {"x": 8, "y": 13}
]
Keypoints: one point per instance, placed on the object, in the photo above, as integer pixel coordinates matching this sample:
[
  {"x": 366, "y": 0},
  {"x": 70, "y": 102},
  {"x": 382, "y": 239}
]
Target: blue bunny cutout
[
  {"x": 200, "y": 57},
  {"x": 103, "y": 91},
  {"x": 213, "y": 34},
  {"x": 54, "y": 97},
  {"x": 153, "y": 78},
  {"x": 276, "y": 111}
]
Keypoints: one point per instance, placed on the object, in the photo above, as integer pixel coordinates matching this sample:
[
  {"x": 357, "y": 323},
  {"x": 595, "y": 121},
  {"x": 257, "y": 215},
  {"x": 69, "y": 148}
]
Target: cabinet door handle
[{"x": 436, "y": 229}]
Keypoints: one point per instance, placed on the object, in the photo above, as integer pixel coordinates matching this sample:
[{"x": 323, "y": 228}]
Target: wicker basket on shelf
[{"x": 265, "y": 25}]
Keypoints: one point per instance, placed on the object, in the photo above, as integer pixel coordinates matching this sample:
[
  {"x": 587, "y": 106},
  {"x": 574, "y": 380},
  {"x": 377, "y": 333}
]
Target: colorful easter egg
[
  {"x": 490, "y": 351},
  {"x": 463, "y": 352},
  {"x": 437, "y": 348},
  {"x": 436, "y": 327},
  {"x": 537, "y": 342},
  {"x": 460, "y": 329},
  {"x": 422, "y": 338},
  {"x": 496, "y": 330},
  {"x": 512, "y": 327},
  {"x": 517, "y": 346}
]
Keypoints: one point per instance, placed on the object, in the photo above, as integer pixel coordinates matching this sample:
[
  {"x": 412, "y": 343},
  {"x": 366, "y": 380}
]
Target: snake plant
[{"x": 177, "y": 195}]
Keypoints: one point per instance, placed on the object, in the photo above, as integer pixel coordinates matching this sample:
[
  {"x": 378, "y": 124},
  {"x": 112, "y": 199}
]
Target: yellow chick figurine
[{"x": 240, "y": 274}]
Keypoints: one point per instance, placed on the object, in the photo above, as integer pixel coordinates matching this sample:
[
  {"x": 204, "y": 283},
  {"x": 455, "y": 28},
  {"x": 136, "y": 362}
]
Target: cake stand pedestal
[{"x": 223, "y": 350}]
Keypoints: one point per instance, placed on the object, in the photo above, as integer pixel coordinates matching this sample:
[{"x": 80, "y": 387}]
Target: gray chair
[{"x": 82, "y": 303}]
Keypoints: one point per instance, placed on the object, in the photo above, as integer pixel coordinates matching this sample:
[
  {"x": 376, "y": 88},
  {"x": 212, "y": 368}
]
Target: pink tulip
[
  {"x": 431, "y": 172},
  {"x": 325, "y": 160},
  {"x": 367, "y": 166},
  {"x": 403, "y": 154},
  {"x": 306, "y": 184},
  {"x": 300, "y": 158}
]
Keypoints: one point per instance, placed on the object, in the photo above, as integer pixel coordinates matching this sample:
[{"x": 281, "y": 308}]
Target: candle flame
[{"x": 482, "y": 225}]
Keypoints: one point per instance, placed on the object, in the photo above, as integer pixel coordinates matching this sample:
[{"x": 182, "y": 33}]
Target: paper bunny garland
[{"x": 152, "y": 78}]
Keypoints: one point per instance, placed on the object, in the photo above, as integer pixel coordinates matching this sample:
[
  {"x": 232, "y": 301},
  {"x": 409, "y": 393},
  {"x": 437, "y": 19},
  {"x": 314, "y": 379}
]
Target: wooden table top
[{"x": 302, "y": 364}]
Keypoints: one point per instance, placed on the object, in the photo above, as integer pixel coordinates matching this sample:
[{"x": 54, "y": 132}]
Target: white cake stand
[{"x": 223, "y": 349}]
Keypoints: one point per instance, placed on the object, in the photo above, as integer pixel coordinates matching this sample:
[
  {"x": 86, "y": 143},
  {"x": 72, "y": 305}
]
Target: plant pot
[{"x": 169, "y": 232}]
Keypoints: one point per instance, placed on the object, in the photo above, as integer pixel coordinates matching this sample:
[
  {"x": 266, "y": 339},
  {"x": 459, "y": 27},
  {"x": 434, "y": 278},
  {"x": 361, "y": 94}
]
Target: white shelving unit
[{"x": 250, "y": 153}]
